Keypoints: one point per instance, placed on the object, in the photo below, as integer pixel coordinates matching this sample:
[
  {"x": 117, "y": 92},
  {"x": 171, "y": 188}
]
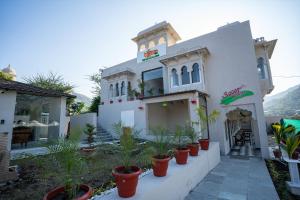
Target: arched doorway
[{"x": 239, "y": 131}]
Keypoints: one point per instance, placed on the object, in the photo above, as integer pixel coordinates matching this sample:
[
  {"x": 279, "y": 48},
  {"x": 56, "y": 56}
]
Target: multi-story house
[{"x": 226, "y": 70}]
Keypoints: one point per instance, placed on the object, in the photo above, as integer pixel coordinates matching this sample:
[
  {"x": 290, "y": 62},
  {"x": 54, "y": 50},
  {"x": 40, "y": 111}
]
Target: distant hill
[
  {"x": 286, "y": 103},
  {"x": 83, "y": 98}
]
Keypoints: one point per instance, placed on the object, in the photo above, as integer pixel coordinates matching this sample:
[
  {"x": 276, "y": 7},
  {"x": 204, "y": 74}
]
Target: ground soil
[
  {"x": 32, "y": 184},
  {"x": 279, "y": 172}
]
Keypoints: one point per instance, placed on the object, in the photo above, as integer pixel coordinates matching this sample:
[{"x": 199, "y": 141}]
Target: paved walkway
[{"x": 236, "y": 179}]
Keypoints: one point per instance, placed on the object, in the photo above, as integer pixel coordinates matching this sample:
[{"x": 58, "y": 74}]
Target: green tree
[
  {"x": 5, "y": 76},
  {"x": 95, "y": 103},
  {"x": 96, "y": 79},
  {"x": 53, "y": 81},
  {"x": 50, "y": 81}
]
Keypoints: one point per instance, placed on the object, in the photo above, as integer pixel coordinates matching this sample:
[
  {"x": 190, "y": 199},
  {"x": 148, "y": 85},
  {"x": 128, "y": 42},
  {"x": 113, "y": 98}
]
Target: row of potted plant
[
  {"x": 159, "y": 152},
  {"x": 66, "y": 156},
  {"x": 287, "y": 139}
]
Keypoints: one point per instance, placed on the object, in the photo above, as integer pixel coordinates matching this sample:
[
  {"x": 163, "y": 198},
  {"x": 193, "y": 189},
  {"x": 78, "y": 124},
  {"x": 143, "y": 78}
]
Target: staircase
[{"x": 103, "y": 135}]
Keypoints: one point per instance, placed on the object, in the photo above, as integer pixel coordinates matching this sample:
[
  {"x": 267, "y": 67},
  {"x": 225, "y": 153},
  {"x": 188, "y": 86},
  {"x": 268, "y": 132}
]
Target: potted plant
[
  {"x": 150, "y": 91},
  {"x": 181, "y": 152},
  {"x": 68, "y": 166},
  {"x": 192, "y": 135},
  {"x": 204, "y": 120},
  {"x": 126, "y": 175},
  {"x": 89, "y": 130},
  {"x": 291, "y": 144},
  {"x": 141, "y": 85},
  {"x": 161, "y": 91},
  {"x": 159, "y": 151}
]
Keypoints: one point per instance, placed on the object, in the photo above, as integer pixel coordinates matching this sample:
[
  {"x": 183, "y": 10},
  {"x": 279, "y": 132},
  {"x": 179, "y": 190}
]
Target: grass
[
  {"x": 33, "y": 184},
  {"x": 280, "y": 174}
]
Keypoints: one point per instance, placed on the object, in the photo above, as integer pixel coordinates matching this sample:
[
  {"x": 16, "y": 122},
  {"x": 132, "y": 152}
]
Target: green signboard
[{"x": 235, "y": 94}]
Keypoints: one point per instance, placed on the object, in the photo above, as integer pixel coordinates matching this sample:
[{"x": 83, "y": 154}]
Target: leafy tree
[
  {"x": 75, "y": 108},
  {"x": 5, "y": 76},
  {"x": 50, "y": 81},
  {"x": 56, "y": 82},
  {"x": 96, "y": 79},
  {"x": 94, "y": 106}
]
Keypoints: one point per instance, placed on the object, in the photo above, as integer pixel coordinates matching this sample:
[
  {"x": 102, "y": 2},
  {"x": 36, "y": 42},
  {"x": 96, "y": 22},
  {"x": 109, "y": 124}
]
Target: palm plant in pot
[
  {"x": 126, "y": 175},
  {"x": 68, "y": 165},
  {"x": 141, "y": 85},
  {"x": 204, "y": 120},
  {"x": 89, "y": 130},
  {"x": 159, "y": 151},
  {"x": 192, "y": 135},
  {"x": 291, "y": 144},
  {"x": 280, "y": 132},
  {"x": 181, "y": 152}
]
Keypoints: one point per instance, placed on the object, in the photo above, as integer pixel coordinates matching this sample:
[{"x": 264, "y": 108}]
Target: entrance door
[{"x": 127, "y": 118}]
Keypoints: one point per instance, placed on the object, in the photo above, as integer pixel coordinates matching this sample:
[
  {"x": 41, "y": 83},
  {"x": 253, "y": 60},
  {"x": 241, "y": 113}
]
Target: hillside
[
  {"x": 82, "y": 98},
  {"x": 286, "y": 103}
]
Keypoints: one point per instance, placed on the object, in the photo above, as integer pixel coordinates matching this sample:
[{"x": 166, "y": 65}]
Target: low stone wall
[{"x": 180, "y": 180}]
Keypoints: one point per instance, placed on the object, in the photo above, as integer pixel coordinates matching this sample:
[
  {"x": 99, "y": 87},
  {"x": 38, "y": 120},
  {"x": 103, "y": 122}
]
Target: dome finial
[{"x": 11, "y": 71}]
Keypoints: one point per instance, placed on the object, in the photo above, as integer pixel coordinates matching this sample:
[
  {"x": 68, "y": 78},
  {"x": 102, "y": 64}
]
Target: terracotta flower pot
[
  {"x": 295, "y": 155},
  {"x": 204, "y": 143},
  {"x": 88, "y": 150},
  {"x": 194, "y": 148},
  {"x": 181, "y": 155},
  {"x": 277, "y": 153},
  {"x": 126, "y": 182},
  {"x": 53, "y": 194},
  {"x": 160, "y": 165}
]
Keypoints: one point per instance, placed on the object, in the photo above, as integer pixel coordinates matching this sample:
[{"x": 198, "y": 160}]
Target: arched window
[
  {"x": 161, "y": 40},
  {"x": 151, "y": 44},
  {"x": 261, "y": 67},
  {"x": 142, "y": 47},
  {"x": 117, "y": 90},
  {"x": 195, "y": 73},
  {"x": 174, "y": 78},
  {"x": 185, "y": 76},
  {"x": 111, "y": 90},
  {"x": 122, "y": 88}
]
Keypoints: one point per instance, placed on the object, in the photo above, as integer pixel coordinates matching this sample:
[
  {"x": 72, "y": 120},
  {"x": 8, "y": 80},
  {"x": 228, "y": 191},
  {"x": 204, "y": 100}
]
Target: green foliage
[
  {"x": 204, "y": 118},
  {"x": 190, "y": 132},
  {"x": 95, "y": 103},
  {"x": 180, "y": 137},
  {"x": 89, "y": 130},
  {"x": 128, "y": 143},
  {"x": 5, "y": 76},
  {"x": 161, "y": 143},
  {"x": 141, "y": 85},
  {"x": 281, "y": 131},
  {"x": 96, "y": 79},
  {"x": 75, "y": 108},
  {"x": 291, "y": 143},
  {"x": 67, "y": 162},
  {"x": 50, "y": 81}
]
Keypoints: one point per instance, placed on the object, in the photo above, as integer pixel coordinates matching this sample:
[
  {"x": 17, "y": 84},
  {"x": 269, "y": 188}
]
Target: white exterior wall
[
  {"x": 80, "y": 121},
  {"x": 7, "y": 111},
  {"x": 58, "y": 113},
  {"x": 230, "y": 64}
]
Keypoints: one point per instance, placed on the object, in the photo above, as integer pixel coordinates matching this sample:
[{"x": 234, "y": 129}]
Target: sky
[{"x": 74, "y": 38}]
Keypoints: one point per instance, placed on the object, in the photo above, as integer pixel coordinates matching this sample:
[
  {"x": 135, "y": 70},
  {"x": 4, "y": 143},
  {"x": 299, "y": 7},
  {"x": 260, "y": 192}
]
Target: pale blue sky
[{"x": 74, "y": 38}]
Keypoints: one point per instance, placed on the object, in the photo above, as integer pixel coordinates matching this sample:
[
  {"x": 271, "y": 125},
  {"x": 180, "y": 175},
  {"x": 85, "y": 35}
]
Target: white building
[{"x": 226, "y": 70}]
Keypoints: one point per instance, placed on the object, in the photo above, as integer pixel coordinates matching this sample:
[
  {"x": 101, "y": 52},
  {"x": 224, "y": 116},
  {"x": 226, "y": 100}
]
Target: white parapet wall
[
  {"x": 79, "y": 121},
  {"x": 180, "y": 180}
]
